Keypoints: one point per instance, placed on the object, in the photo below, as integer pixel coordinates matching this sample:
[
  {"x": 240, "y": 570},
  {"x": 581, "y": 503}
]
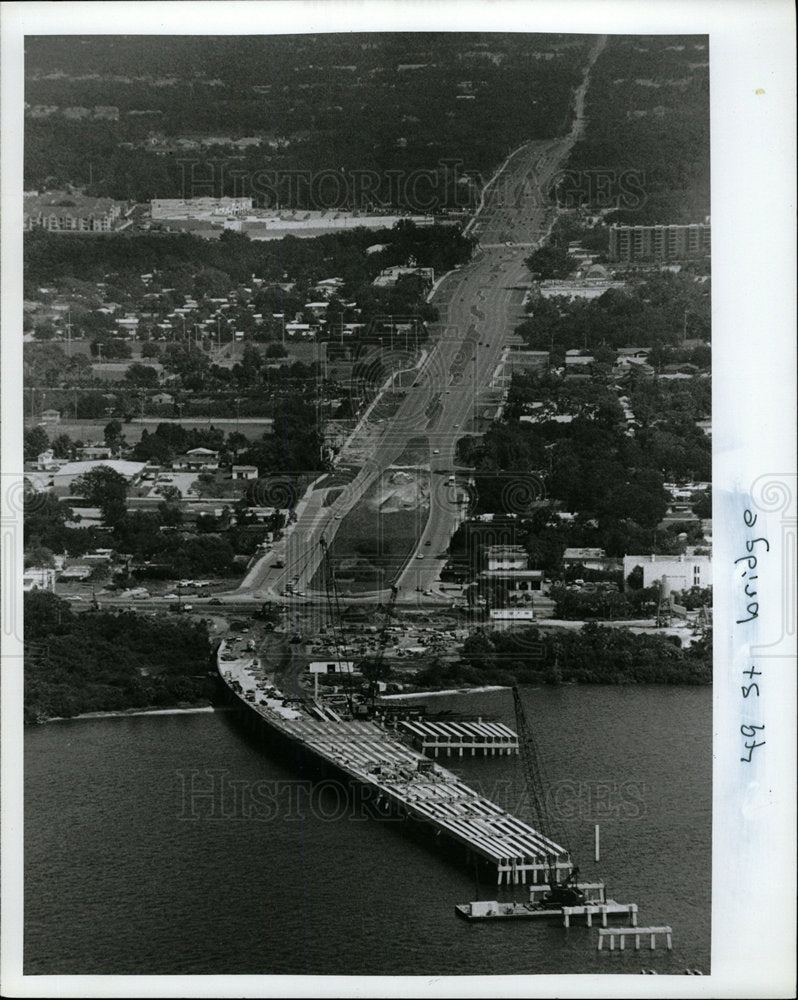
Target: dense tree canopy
[{"x": 107, "y": 661}]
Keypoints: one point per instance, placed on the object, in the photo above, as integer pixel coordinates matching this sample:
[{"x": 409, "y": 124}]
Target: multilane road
[{"x": 478, "y": 305}]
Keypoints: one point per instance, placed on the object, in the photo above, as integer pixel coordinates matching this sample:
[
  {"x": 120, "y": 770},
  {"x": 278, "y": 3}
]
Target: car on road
[
  {"x": 436, "y": 451},
  {"x": 214, "y": 600},
  {"x": 170, "y": 597},
  {"x": 428, "y": 543},
  {"x": 456, "y": 425},
  {"x": 337, "y": 517},
  {"x": 420, "y": 555}
]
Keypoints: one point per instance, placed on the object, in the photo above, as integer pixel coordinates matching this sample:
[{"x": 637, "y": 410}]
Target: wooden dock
[
  {"x": 622, "y": 933},
  {"x": 487, "y": 738}
]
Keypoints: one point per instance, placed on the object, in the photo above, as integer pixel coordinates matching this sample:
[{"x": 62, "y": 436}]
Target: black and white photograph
[{"x": 398, "y": 499}]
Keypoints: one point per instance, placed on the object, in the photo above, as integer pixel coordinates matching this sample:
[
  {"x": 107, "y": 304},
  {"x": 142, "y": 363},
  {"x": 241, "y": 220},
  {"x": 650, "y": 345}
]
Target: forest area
[{"x": 107, "y": 661}]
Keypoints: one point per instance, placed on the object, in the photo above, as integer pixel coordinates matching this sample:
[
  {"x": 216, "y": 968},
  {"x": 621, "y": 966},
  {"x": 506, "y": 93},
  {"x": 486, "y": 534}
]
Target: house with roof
[
  {"x": 589, "y": 558},
  {"x": 197, "y": 460},
  {"x": 46, "y": 462},
  {"x": 245, "y": 472},
  {"x": 579, "y": 358},
  {"x": 92, "y": 452},
  {"x": 38, "y": 578},
  {"x": 388, "y": 277},
  {"x": 51, "y": 417},
  {"x": 509, "y": 565}
]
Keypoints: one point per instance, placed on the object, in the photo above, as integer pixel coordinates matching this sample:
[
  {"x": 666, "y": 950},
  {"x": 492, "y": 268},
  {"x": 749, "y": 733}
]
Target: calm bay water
[{"x": 127, "y": 873}]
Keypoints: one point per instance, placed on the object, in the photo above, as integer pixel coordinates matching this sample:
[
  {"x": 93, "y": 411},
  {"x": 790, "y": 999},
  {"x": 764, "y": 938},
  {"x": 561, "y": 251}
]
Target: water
[{"x": 120, "y": 879}]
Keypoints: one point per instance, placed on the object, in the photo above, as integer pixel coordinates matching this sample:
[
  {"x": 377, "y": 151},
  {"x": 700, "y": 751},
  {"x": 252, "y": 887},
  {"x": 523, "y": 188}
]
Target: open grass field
[{"x": 91, "y": 431}]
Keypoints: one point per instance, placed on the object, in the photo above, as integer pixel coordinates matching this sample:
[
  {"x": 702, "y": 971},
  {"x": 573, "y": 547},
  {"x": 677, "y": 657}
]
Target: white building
[
  {"x": 175, "y": 208},
  {"x": 331, "y": 667},
  {"x": 681, "y": 572},
  {"x": 245, "y": 472},
  {"x": 507, "y": 557},
  {"x": 38, "y": 578},
  {"x": 512, "y": 614},
  {"x": 46, "y": 462},
  {"x": 63, "y": 479}
]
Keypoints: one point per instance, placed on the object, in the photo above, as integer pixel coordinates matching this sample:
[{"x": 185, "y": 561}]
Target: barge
[{"x": 594, "y": 905}]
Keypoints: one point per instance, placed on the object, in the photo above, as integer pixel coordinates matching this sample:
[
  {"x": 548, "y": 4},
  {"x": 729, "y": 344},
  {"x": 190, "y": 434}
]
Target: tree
[
  {"x": 550, "y": 262},
  {"x": 45, "y": 520},
  {"x": 635, "y": 579},
  {"x": 113, "y": 435},
  {"x": 90, "y": 406},
  {"x": 35, "y": 441},
  {"x": 105, "y": 488},
  {"x": 702, "y": 503},
  {"x": 44, "y": 330},
  {"x": 110, "y": 349},
  {"x": 45, "y": 615},
  {"x": 62, "y": 446},
  {"x": 153, "y": 448},
  {"x": 170, "y": 494},
  {"x": 143, "y": 375},
  {"x": 39, "y": 555},
  {"x": 169, "y": 510}
]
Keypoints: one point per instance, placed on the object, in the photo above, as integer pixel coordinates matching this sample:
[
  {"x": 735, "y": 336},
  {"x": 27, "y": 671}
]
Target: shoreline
[
  {"x": 447, "y": 691},
  {"x": 123, "y": 713}
]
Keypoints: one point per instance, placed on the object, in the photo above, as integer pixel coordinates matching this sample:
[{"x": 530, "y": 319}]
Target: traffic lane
[{"x": 305, "y": 531}]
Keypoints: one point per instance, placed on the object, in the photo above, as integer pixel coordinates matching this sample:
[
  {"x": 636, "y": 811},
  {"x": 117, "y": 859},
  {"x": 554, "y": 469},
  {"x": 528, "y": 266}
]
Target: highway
[{"x": 479, "y": 306}]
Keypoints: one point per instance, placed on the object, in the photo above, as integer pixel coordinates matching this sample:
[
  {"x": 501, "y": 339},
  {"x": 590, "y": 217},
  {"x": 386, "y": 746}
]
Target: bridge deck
[{"x": 404, "y": 780}]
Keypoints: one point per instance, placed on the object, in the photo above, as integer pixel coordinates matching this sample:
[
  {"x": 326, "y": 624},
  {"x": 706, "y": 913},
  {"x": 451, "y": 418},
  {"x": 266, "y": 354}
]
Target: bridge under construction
[{"x": 401, "y": 782}]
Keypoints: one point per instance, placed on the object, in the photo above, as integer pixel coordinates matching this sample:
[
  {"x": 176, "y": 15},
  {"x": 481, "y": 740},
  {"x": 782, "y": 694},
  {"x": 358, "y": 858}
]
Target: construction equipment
[
  {"x": 336, "y": 626},
  {"x": 563, "y": 892},
  {"x": 372, "y": 668}
]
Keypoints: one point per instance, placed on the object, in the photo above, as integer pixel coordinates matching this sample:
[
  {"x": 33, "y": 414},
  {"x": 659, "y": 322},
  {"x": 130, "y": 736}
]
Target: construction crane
[
  {"x": 336, "y": 625},
  {"x": 372, "y": 668},
  {"x": 565, "y": 892}
]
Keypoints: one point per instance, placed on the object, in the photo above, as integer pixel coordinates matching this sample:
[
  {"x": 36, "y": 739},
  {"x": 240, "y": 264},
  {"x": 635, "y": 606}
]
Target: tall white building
[{"x": 681, "y": 572}]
